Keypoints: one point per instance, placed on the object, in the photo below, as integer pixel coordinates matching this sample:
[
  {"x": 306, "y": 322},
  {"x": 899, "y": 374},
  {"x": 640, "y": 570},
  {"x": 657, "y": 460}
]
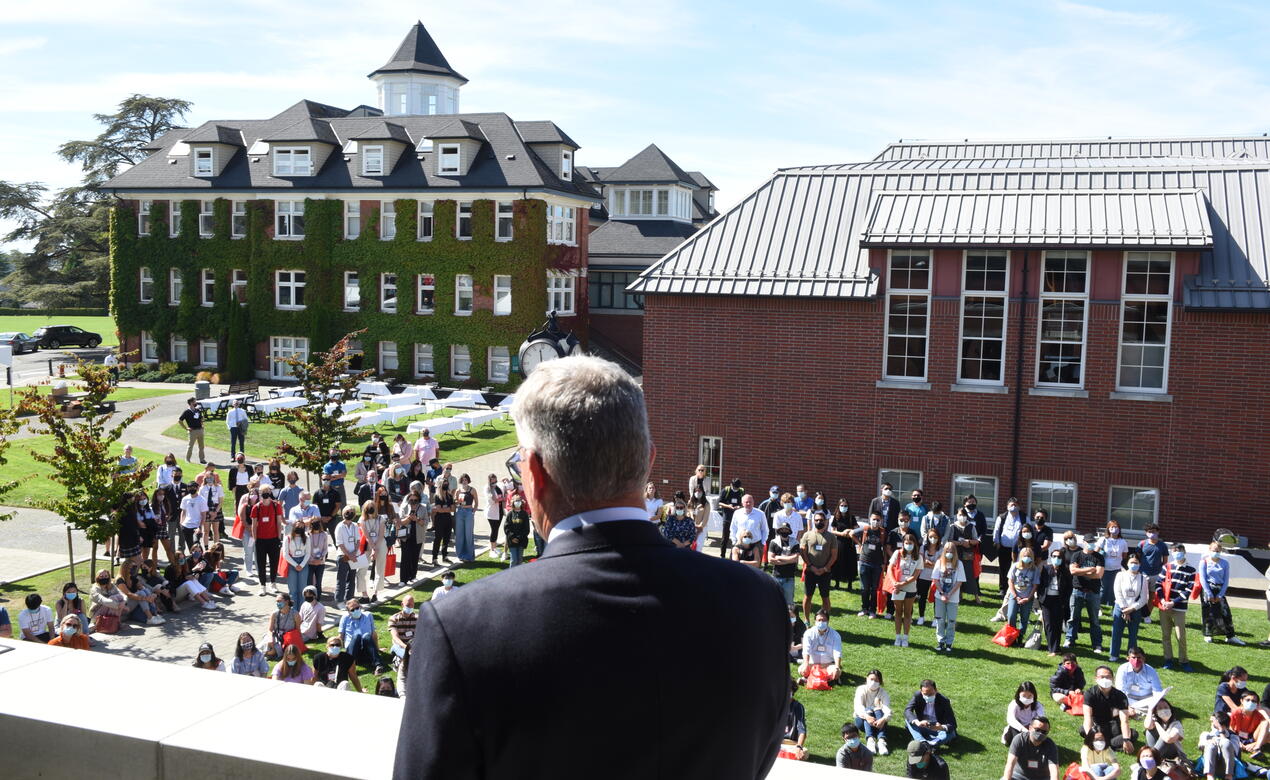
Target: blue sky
[{"x": 734, "y": 89}]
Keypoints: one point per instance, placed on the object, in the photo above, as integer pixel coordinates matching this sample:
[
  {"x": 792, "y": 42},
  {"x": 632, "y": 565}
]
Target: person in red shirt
[
  {"x": 70, "y": 634},
  {"x": 1249, "y": 723},
  {"x": 266, "y": 522}
]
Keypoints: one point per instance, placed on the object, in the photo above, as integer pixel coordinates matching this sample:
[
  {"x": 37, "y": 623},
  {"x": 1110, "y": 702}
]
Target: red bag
[
  {"x": 818, "y": 678},
  {"x": 1006, "y": 636},
  {"x": 1074, "y": 772},
  {"x": 217, "y": 586},
  {"x": 390, "y": 564},
  {"x": 978, "y": 565},
  {"x": 1075, "y": 702},
  {"x": 292, "y": 637},
  {"x": 107, "y": 623},
  {"x": 283, "y": 566},
  {"x": 236, "y": 532}
]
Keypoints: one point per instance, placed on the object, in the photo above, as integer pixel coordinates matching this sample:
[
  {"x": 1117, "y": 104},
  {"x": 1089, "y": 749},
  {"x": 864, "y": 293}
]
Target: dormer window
[
  {"x": 292, "y": 161},
  {"x": 372, "y": 161},
  {"x": 203, "y": 162},
  {"x": 566, "y": 165},
  {"x": 448, "y": 159}
]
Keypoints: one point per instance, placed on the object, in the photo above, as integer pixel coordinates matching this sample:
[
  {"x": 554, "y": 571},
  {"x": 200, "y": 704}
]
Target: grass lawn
[
  {"x": 119, "y": 393},
  {"x": 49, "y": 586},
  {"x": 27, "y": 323},
  {"x": 263, "y": 437},
  {"x": 32, "y": 475}
]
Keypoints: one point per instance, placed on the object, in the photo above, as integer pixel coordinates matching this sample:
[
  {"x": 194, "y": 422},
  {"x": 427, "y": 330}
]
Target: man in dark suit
[
  {"x": 929, "y": 716},
  {"x": 887, "y": 506},
  {"x": 575, "y": 664}
]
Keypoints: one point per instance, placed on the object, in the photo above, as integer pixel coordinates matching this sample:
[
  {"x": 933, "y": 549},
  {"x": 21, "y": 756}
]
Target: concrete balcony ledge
[
  {"x": 1058, "y": 392},
  {"x": 1160, "y": 398},
  {"x": 990, "y": 389},
  {"x": 46, "y": 731}
]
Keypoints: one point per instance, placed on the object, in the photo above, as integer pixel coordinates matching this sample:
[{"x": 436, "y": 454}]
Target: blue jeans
[
  {"x": 1021, "y": 611},
  {"x": 869, "y": 576},
  {"x": 787, "y": 587},
  {"x": 868, "y": 730},
  {"x": 515, "y": 554},
  {"x": 931, "y": 736},
  {"x": 297, "y": 578},
  {"x": 464, "y": 543},
  {"x": 1108, "y": 587},
  {"x": 364, "y": 644},
  {"x": 1085, "y": 601},
  {"x": 1118, "y": 622}
]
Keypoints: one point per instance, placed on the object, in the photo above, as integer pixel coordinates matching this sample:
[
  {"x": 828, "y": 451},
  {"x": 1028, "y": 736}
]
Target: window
[
  {"x": 423, "y": 360},
  {"x": 464, "y": 218},
  {"x": 283, "y": 347},
  {"x": 146, "y": 292},
  {"x": 608, "y": 291},
  {"x": 388, "y": 293},
  {"x": 710, "y": 454},
  {"x": 462, "y": 294},
  {"x": 566, "y": 165},
  {"x": 504, "y": 227},
  {"x": 238, "y": 287},
  {"x": 238, "y": 219},
  {"x": 352, "y": 218},
  {"x": 387, "y": 357},
  {"x": 560, "y": 293},
  {"x": 206, "y": 219},
  {"x": 1134, "y": 508},
  {"x": 143, "y": 218},
  {"x": 388, "y": 220},
  {"x": 903, "y": 482},
  {"x": 149, "y": 349},
  {"x": 560, "y": 224},
  {"x": 1060, "y": 359},
  {"x": 356, "y": 356},
  {"x": 500, "y": 365},
  {"x": 1058, "y": 499},
  {"x": 174, "y": 218},
  {"x": 176, "y": 285},
  {"x": 425, "y": 300},
  {"x": 502, "y": 295},
  {"x": 207, "y": 287},
  {"x": 1145, "y": 312},
  {"x": 180, "y": 350},
  {"x": 983, "y": 317},
  {"x": 984, "y": 489},
  {"x": 208, "y": 353},
  {"x": 425, "y": 220},
  {"x": 907, "y": 314},
  {"x": 289, "y": 289},
  {"x": 372, "y": 160},
  {"x": 448, "y": 159},
  {"x": 352, "y": 292},
  {"x": 289, "y": 216},
  {"x": 460, "y": 362},
  {"x": 292, "y": 161},
  {"x": 202, "y": 162}
]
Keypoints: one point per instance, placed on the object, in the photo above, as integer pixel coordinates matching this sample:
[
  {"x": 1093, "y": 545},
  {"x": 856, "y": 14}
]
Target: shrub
[
  {"x": 180, "y": 378},
  {"x": 203, "y": 376},
  {"x": 150, "y": 376},
  {"x": 168, "y": 368}
]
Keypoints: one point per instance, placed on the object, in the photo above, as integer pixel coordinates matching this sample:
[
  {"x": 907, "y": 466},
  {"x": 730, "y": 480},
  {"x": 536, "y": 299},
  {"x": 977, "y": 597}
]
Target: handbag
[
  {"x": 293, "y": 637},
  {"x": 390, "y": 564},
  {"x": 107, "y": 623},
  {"x": 1074, "y": 703},
  {"x": 1034, "y": 641},
  {"x": 283, "y": 566},
  {"x": 817, "y": 678},
  {"x": 1074, "y": 772},
  {"x": 1006, "y": 636}
]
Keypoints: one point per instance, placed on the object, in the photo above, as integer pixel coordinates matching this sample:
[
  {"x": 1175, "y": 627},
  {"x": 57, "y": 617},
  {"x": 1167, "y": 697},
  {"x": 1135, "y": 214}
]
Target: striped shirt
[{"x": 1180, "y": 581}]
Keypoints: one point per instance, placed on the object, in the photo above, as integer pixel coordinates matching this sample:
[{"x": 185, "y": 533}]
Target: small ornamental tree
[
  {"x": 317, "y": 430},
  {"x": 81, "y": 459},
  {"x": 8, "y": 427}
]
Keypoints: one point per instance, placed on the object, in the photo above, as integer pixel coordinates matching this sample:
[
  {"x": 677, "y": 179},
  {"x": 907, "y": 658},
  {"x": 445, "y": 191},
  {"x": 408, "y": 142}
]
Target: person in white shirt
[
  {"x": 36, "y": 621},
  {"x": 447, "y": 586},
  {"x": 296, "y": 551},
  {"x": 822, "y": 647},
  {"x": 747, "y": 518},
  {"x": 111, "y": 362},
  {"x": 304, "y": 512},
  {"x": 1113, "y": 548},
  {"x": 346, "y": 548},
  {"x": 193, "y": 515},
  {"x": 426, "y": 447},
  {"x": 214, "y": 496},
  {"x": 312, "y": 615},
  {"x": 873, "y": 711},
  {"x": 163, "y": 474},
  {"x": 787, "y": 514},
  {"x": 237, "y": 422},
  {"x": 652, "y": 502}
]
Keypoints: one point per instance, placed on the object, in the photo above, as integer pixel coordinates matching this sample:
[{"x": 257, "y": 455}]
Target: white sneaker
[
  {"x": 999, "y": 617},
  {"x": 155, "y": 620},
  {"x": 264, "y": 591},
  {"x": 1234, "y": 640},
  {"x": 882, "y": 748},
  {"x": 904, "y": 639},
  {"x": 1208, "y": 639},
  {"x": 921, "y": 621},
  {"x": 871, "y": 744},
  {"x": 209, "y": 605},
  {"x": 899, "y": 641}
]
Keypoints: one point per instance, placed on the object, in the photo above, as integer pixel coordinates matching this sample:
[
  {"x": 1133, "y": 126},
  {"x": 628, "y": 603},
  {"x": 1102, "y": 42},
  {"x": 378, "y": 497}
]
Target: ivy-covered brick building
[{"x": 447, "y": 237}]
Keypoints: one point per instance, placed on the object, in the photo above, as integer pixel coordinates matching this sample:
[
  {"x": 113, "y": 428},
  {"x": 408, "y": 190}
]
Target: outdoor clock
[{"x": 547, "y": 343}]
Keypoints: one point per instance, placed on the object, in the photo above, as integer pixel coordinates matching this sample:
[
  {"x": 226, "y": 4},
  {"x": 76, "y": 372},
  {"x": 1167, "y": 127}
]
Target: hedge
[{"x": 8, "y": 311}]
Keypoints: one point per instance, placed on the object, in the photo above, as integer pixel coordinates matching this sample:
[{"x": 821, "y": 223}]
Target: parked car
[
  {"x": 54, "y": 336},
  {"x": 20, "y": 342}
]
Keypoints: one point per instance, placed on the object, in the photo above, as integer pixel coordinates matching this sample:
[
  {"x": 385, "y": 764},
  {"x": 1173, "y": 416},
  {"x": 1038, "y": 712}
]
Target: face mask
[
  {"x": 698, "y": 495},
  {"x": 802, "y": 494},
  {"x": 1069, "y": 542},
  {"x": 1214, "y": 556},
  {"x": 961, "y": 521},
  {"x": 948, "y": 556},
  {"x": 70, "y": 631},
  {"x": 516, "y": 503},
  {"x": 1152, "y": 535},
  {"x": 310, "y": 597},
  {"x": 447, "y": 582},
  {"x": 1086, "y": 546},
  {"x": 822, "y": 626},
  {"x": 928, "y": 699},
  {"x": 820, "y": 525},
  {"x": 205, "y": 658},
  {"x": 787, "y": 507},
  {"x": 1135, "y": 664},
  {"x": 333, "y": 652},
  {"x": 972, "y": 507},
  {"x": 280, "y": 604},
  {"x": 1039, "y": 736},
  {"x": 71, "y": 595},
  {"x": 1178, "y": 557},
  {"x": 842, "y": 508},
  {"x": 291, "y": 662},
  {"x": 103, "y": 580},
  {"x": 1133, "y": 567},
  {"x": 886, "y": 492},
  {"x": 1014, "y": 510},
  {"x": 783, "y": 534},
  {"x": 1249, "y": 706},
  {"x": 873, "y": 685},
  {"x": 1241, "y": 684},
  {"x": 820, "y": 502},
  {"x": 1025, "y": 559},
  {"x": 247, "y": 645},
  {"x": 355, "y": 614},
  {"x": 407, "y": 610},
  {"x": 1100, "y": 744},
  {"x": 1105, "y": 682},
  {"x": 853, "y": 743},
  {"x": 1057, "y": 560},
  {"x": 1113, "y": 531},
  {"x": 1147, "y": 762},
  {"x": 1165, "y": 714},
  {"x": 793, "y": 620},
  {"x": 1039, "y": 521},
  {"x": 1027, "y": 534},
  {"x": 920, "y": 764},
  {"x": 933, "y": 540},
  {"x": 908, "y": 547},
  {"x": 1026, "y": 698}
]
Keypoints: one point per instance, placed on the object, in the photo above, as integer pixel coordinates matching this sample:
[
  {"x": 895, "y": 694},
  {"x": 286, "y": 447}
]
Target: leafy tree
[
  {"x": 8, "y": 426},
  {"x": 82, "y": 461},
  {"x": 318, "y": 430}
]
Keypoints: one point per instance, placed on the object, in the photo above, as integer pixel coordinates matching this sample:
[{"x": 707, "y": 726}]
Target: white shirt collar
[{"x": 608, "y": 514}]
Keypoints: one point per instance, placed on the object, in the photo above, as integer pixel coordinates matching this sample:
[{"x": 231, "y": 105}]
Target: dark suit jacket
[
  {"x": 892, "y": 516},
  {"x": 589, "y": 660},
  {"x": 916, "y": 709}
]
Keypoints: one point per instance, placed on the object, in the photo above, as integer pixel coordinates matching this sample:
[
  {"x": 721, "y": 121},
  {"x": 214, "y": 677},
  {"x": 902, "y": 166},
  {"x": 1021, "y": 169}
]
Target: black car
[
  {"x": 20, "y": 342},
  {"x": 54, "y": 336}
]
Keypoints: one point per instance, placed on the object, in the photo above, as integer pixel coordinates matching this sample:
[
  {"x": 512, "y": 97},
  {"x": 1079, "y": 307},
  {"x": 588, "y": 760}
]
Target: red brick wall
[
  {"x": 624, "y": 331},
  {"x": 791, "y": 389}
]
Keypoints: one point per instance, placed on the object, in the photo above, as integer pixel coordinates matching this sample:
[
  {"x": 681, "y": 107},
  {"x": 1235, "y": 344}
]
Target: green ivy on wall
[{"x": 325, "y": 255}]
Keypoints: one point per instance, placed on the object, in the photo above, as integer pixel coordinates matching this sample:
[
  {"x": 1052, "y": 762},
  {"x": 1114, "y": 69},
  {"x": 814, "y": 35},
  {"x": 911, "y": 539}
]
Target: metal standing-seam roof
[
  {"x": 1158, "y": 219},
  {"x": 1215, "y": 147},
  {"x": 801, "y": 232}
]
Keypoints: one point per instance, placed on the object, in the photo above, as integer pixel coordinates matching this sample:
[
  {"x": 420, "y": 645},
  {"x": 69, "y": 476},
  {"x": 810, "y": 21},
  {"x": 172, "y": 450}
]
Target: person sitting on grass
[
  {"x": 312, "y": 616},
  {"x": 70, "y": 634},
  {"x": 1233, "y": 682},
  {"x": 1033, "y": 755},
  {"x": 71, "y": 604},
  {"x": 1107, "y": 710},
  {"x": 1020, "y": 711},
  {"x": 6, "y": 625},
  {"x": 746, "y": 551},
  {"x": 1138, "y": 680},
  {"x": 247, "y": 659},
  {"x": 1220, "y": 749},
  {"x": 872, "y": 708},
  {"x": 283, "y": 619},
  {"x": 924, "y": 763},
  {"x": 929, "y": 716},
  {"x": 1248, "y": 723},
  {"x": 1068, "y": 677},
  {"x": 334, "y": 668},
  {"x": 1162, "y": 730},
  {"x": 853, "y": 754},
  {"x": 1148, "y": 766},
  {"x": 292, "y": 667},
  {"x": 1097, "y": 758},
  {"x": 106, "y": 598},
  {"x": 207, "y": 659},
  {"x": 357, "y": 630},
  {"x": 796, "y": 724},
  {"x": 822, "y": 649},
  {"x": 797, "y": 628}
]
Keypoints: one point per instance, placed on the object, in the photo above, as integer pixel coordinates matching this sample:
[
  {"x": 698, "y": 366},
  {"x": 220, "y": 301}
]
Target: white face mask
[
  {"x": 1100, "y": 744},
  {"x": 874, "y": 685},
  {"x": 1027, "y": 699},
  {"x": 1105, "y": 682}
]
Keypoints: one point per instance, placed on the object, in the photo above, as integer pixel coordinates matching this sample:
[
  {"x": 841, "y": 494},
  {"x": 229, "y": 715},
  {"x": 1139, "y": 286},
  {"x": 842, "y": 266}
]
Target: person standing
[
  {"x": 585, "y": 453},
  {"x": 346, "y": 548},
  {"x": 917, "y": 511},
  {"x": 467, "y": 502},
  {"x": 494, "y": 515},
  {"x": 747, "y": 518},
  {"x": 193, "y": 515},
  {"x": 517, "y": 531},
  {"x": 700, "y": 479},
  {"x": 297, "y": 551},
  {"x": 1053, "y": 599},
  {"x": 236, "y": 421},
  {"x": 1214, "y": 579},
  {"x": 871, "y": 545},
  {"x": 266, "y": 529},
  {"x": 192, "y": 421},
  {"x": 905, "y": 566},
  {"x": 426, "y": 448},
  {"x": 111, "y": 363},
  {"x": 1173, "y": 594},
  {"x": 1113, "y": 548},
  {"x": 335, "y": 470},
  {"x": 965, "y": 537},
  {"x": 773, "y": 504},
  {"x": 319, "y": 543},
  {"x": 412, "y": 518},
  {"x": 886, "y": 506},
  {"x": 783, "y": 553},
  {"x": 819, "y": 550},
  {"x": 1005, "y": 538},
  {"x": 729, "y": 502},
  {"x": 948, "y": 578},
  {"x": 1133, "y": 592},
  {"x": 1024, "y": 578},
  {"x": 1086, "y": 570}
]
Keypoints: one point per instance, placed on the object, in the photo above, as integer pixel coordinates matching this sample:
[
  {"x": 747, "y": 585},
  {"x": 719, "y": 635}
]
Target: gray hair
[{"x": 585, "y": 418}]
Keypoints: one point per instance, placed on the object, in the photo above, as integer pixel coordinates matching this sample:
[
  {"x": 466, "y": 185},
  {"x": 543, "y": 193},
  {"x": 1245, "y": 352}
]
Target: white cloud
[{"x": 10, "y": 46}]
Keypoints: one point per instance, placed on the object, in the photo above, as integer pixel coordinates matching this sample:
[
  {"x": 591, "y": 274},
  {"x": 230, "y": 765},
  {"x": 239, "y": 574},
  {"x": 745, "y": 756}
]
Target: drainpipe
[{"x": 1018, "y": 381}]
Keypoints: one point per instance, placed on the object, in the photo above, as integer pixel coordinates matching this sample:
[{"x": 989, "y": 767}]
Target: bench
[{"x": 251, "y": 388}]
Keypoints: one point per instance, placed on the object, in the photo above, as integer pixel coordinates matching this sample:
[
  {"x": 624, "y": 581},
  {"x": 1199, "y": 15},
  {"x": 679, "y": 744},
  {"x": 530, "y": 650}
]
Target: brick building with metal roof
[{"x": 1081, "y": 324}]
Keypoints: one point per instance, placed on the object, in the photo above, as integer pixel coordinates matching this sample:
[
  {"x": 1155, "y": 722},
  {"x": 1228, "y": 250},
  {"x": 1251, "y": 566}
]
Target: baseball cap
[
  {"x": 774, "y": 489},
  {"x": 916, "y": 751}
]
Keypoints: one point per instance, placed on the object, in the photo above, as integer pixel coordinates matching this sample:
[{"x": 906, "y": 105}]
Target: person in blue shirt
[
  {"x": 1138, "y": 679},
  {"x": 803, "y": 501},
  {"x": 335, "y": 470},
  {"x": 1214, "y": 579},
  {"x": 1154, "y": 553},
  {"x": 357, "y": 631},
  {"x": 917, "y": 509}
]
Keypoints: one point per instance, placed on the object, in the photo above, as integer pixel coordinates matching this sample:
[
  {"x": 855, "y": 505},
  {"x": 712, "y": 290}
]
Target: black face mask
[{"x": 309, "y": 597}]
